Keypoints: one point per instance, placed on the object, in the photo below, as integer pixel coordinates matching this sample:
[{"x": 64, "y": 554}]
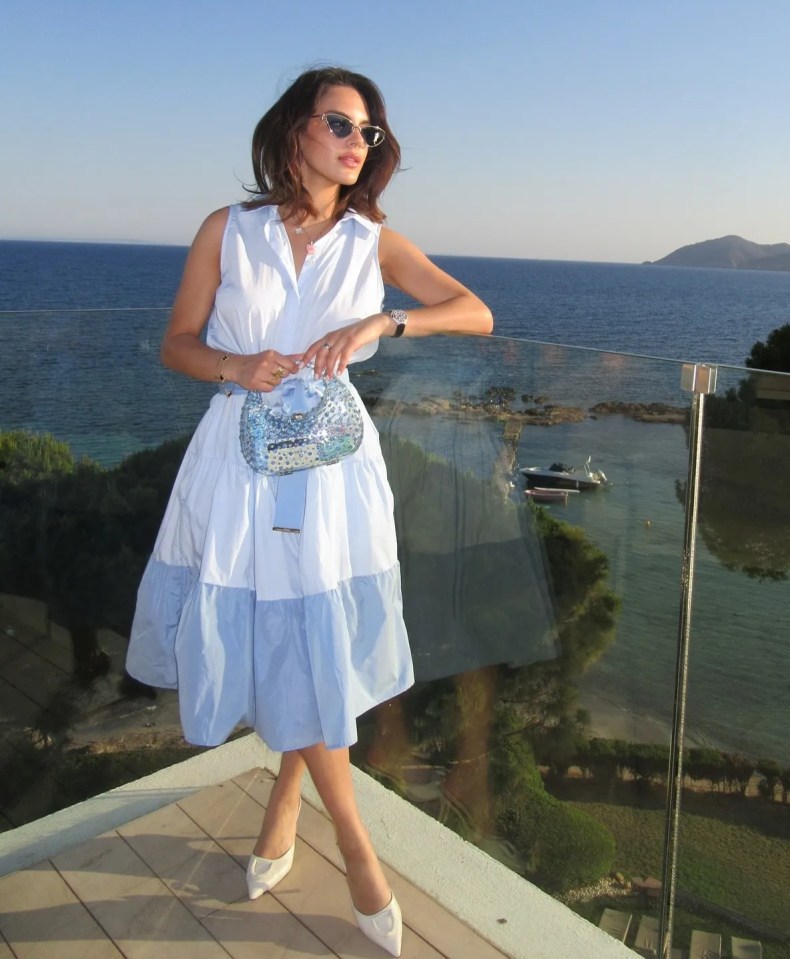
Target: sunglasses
[{"x": 342, "y": 127}]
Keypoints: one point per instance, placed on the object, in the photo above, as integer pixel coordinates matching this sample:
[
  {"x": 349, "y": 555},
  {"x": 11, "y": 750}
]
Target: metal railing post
[{"x": 700, "y": 380}]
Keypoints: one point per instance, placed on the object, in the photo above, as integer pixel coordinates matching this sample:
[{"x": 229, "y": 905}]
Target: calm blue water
[
  {"x": 94, "y": 380},
  {"x": 692, "y": 315}
]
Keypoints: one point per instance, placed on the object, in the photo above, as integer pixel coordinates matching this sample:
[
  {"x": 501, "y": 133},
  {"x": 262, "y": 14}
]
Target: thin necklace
[{"x": 311, "y": 241}]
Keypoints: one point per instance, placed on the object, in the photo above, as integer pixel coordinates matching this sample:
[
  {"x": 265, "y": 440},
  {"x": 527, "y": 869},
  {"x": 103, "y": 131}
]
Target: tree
[
  {"x": 738, "y": 771},
  {"x": 703, "y": 764},
  {"x": 784, "y": 780},
  {"x": 561, "y": 846},
  {"x": 77, "y": 536},
  {"x": 771, "y": 773},
  {"x": 774, "y": 354},
  {"x": 602, "y": 758},
  {"x": 648, "y": 763}
]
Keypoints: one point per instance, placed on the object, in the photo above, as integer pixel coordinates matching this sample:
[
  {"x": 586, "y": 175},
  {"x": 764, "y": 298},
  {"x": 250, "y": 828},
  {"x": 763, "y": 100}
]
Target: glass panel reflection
[
  {"x": 543, "y": 627},
  {"x": 734, "y": 860},
  {"x": 544, "y": 631},
  {"x": 78, "y": 515}
]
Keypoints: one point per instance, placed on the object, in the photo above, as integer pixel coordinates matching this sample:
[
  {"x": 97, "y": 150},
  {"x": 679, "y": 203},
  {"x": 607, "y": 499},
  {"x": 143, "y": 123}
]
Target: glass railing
[
  {"x": 543, "y": 607},
  {"x": 734, "y": 829},
  {"x": 83, "y": 390}
]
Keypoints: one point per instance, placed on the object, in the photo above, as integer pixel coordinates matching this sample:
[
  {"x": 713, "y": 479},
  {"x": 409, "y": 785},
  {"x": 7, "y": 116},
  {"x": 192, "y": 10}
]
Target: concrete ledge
[
  {"x": 474, "y": 887},
  {"x": 466, "y": 881}
]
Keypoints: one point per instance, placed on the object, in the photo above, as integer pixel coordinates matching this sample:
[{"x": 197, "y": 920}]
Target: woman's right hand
[{"x": 261, "y": 371}]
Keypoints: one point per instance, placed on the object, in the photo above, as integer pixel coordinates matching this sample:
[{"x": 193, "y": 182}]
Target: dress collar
[
  {"x": 272, "y": 215},
  {"x": 369, "y": 225}
]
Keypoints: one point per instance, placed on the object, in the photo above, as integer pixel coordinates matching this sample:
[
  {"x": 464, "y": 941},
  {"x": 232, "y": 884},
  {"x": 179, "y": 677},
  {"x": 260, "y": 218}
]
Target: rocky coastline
[
  {"x": 536, "y": 411},
  {"x": 643, "y": 412}
]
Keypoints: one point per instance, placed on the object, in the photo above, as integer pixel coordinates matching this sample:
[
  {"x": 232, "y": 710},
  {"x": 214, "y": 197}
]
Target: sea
[{"x": 80, "y": 326}]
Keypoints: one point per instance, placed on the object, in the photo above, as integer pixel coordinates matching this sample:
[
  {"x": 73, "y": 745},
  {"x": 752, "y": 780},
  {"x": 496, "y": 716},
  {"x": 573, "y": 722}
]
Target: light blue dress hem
[{"x": 344, "y": 651}]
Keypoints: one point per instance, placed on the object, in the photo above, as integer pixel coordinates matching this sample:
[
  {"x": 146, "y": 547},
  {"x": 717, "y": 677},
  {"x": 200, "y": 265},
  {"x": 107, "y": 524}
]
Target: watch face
[{"x": 399, "y": 318}]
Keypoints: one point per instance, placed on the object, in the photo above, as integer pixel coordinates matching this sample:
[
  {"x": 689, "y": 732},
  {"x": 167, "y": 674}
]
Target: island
[{"x": 729, "y": 253}]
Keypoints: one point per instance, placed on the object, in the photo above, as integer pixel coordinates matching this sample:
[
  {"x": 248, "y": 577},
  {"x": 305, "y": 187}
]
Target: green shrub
[
  {"x": 560, "y": 845},
  {"x": 573, "y": 849}
]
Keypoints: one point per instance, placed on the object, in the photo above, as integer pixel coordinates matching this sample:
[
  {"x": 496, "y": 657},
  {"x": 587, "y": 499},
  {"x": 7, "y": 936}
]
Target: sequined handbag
[{"x": 288, "y": 437}]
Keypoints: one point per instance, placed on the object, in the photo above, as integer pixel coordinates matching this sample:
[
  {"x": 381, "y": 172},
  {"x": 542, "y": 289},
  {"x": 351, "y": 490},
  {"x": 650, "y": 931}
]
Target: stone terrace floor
[{"x": 171, "y": 885}]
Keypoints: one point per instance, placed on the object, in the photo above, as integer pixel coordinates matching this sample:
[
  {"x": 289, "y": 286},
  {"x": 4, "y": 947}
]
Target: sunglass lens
[
  {"x": 373, "y": 135},
  {"x": 340, "y": 126}
]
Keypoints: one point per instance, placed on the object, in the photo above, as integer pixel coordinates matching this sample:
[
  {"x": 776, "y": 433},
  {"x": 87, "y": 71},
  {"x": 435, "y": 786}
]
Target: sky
[{"x": 601, "y": 130}]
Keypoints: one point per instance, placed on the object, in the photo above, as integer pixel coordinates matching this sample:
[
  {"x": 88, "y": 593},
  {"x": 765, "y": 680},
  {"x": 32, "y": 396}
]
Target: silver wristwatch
[{"x": 400, "y": 318}]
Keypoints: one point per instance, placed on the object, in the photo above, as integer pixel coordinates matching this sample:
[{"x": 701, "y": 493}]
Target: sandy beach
[{"x": 610, "y": 720}]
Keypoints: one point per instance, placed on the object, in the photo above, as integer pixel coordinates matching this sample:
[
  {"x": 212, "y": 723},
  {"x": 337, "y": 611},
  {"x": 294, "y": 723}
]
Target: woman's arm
[
  {"x": 448, "y": 306},
  {"x": 182, "y": 348}
]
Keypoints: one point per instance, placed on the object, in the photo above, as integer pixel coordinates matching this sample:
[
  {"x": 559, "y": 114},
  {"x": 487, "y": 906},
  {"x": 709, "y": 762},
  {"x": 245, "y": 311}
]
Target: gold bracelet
[{"x": 220, "y": 375}]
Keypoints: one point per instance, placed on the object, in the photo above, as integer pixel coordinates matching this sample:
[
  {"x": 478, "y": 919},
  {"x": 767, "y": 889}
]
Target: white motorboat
[{"x": 559, "y": 476}]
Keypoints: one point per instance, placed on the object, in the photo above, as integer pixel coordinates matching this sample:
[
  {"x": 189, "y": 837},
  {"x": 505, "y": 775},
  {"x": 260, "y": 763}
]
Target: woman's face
[{"x": 326, "y": 159}]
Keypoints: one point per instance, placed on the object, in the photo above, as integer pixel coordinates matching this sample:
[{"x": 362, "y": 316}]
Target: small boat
[
  {"x": 542, "y": 494},
  {"x": 559, "y": 476}
]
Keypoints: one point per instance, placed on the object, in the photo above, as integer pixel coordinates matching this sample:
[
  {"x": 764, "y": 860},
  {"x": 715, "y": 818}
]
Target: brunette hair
[{"x": 275, "y": 147}]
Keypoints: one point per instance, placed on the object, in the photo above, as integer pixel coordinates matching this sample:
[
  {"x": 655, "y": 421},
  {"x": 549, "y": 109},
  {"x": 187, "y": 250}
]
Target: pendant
[
  {"x": 298, "y": 230},
  {"x": 310, "y": 248}
]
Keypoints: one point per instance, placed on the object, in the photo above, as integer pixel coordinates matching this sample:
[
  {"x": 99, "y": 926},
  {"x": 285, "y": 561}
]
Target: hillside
[{"x": 731, "y": 253}]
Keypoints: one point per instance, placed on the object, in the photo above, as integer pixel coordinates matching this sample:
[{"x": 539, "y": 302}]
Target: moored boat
[{"x": 559, "y": 476}]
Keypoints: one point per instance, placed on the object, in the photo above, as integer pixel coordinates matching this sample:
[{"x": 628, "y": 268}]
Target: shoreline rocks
[
  {"x": 643, "y": 412},
  {"x": 544, "y": 414}
]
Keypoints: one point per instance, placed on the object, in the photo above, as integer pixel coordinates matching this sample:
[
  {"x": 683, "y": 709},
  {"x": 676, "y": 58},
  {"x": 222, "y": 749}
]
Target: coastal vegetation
[
  {"x": 77, "y": 536},
  {"x": 608, "y": 763}
]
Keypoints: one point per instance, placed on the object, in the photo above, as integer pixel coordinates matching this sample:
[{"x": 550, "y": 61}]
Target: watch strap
[{"x": 400, "y": 318}]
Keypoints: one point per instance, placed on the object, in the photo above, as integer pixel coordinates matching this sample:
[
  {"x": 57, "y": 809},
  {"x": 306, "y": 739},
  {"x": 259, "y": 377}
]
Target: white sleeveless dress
[{"x": 292, "y": 634}]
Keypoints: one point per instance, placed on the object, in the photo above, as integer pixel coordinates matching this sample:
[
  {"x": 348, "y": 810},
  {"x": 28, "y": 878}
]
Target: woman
[{"x": 293, "y": 633}]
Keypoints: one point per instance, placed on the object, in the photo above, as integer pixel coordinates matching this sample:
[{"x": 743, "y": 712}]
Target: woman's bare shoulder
[
  {"x": 216, "y": 222},
  {"x": 391, "y": 238},
  {"x": 398, "y": 254},
  {"x": 208, "y": 239},
  {"x": 394, "y": 245}
]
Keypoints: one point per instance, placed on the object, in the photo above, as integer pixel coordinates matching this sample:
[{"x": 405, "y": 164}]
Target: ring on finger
[
  {"x": 327, "y": 346},
  {"x": 279, "y": 373}
]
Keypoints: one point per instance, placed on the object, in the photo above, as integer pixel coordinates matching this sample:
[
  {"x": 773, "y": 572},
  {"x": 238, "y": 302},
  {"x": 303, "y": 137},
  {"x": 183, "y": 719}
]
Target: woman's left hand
[{"x": 332, "y": 353}]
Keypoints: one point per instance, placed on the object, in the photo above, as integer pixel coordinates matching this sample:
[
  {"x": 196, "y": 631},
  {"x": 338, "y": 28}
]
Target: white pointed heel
[
  {"x": 385, "y": 928},
  {"x": 264, "y": 874}
]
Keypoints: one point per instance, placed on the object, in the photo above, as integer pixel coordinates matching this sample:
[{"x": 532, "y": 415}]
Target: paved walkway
[{"x": 171, "y": 886}]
